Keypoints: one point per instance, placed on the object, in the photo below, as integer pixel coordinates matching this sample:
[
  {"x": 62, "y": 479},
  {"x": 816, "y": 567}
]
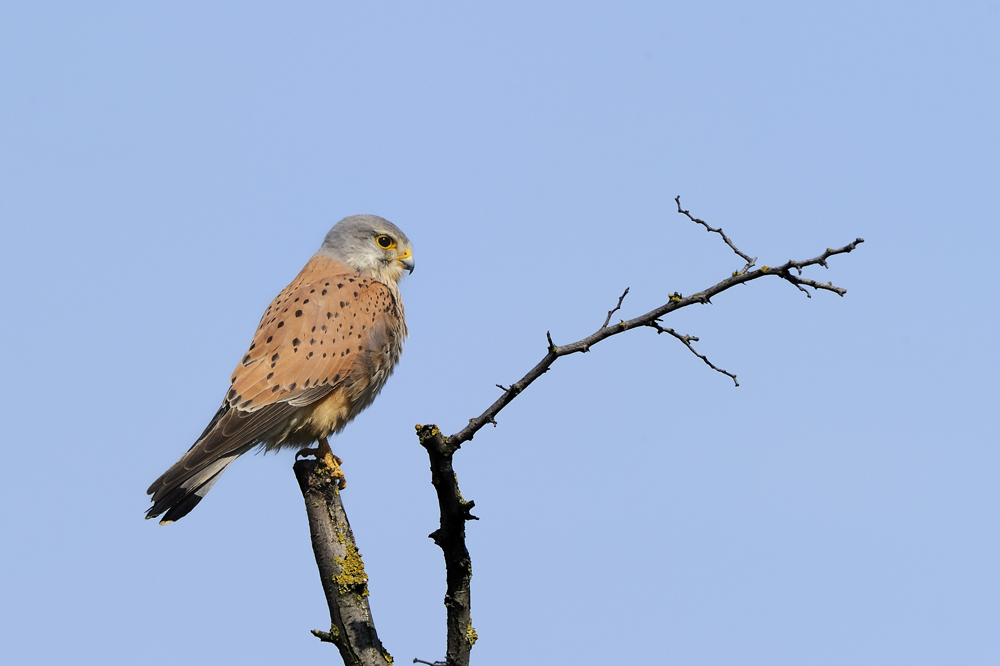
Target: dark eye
[{"x": 384, "y": 242}]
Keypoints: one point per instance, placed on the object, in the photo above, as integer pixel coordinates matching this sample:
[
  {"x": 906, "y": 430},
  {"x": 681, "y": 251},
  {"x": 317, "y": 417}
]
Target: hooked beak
[{"x": 407, "y": 260}]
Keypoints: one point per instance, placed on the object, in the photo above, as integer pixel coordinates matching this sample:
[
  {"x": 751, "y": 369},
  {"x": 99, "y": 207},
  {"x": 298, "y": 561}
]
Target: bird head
[{"x": 370, "y": 245}]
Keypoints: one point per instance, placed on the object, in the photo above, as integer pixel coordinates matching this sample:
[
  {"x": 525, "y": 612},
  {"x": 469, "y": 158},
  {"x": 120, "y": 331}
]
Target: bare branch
[
  {"x": 676, "y": 302},
  {"x": 341, "y": 570},
  {"x": 616, "y": 308},
  {"x": 746, "y": 258},
  {"x": 450, "y": 536},
  {"x": 687, "y": 340},
  {"x": 455, "y": 511}
]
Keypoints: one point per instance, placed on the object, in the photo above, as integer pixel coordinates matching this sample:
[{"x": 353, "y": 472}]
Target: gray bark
[{"x": 341, "y": 570}]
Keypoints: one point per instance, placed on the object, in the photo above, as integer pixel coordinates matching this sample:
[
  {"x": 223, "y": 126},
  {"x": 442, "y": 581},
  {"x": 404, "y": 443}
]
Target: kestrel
[{"x": 322, "y": 352}]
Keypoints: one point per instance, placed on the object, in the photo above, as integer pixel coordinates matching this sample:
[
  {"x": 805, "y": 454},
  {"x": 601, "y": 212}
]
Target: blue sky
[{"x": 166, "y": 169}]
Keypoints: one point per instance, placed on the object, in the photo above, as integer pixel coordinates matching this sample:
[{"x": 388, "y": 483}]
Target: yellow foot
[{"x": 332, "y": 462}]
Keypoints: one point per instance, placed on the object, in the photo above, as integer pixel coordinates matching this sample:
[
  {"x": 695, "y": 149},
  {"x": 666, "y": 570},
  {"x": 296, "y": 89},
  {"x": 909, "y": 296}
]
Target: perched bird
[{"x": 322, "y": 352}]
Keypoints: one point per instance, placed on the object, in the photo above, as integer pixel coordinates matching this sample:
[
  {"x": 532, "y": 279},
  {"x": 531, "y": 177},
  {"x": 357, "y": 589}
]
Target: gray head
[{"x": 370, "y": 245}]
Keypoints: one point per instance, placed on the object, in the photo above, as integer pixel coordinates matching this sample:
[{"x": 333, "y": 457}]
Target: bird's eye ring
[{"x": 385, "y": 242}]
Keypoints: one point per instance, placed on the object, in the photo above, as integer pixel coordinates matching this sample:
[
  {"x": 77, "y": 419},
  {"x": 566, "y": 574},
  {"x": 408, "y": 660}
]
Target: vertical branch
[
  {"x": 341, "y": 570},
  {"x": 455, "y": 511}
]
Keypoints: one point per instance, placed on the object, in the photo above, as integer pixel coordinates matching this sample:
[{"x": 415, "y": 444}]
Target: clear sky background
[{"x": 167, "y": 168}]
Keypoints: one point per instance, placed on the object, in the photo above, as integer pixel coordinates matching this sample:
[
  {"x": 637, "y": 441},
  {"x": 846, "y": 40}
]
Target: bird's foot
[
  {"x": 333, "y": 465},
  {"x": 332, "y": 462}
]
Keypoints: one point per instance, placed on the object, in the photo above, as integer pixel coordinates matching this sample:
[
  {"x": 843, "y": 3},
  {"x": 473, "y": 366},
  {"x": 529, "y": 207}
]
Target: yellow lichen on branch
[
  {"x": 471, "y": 635},
  {"x": 352, "y": 576}
]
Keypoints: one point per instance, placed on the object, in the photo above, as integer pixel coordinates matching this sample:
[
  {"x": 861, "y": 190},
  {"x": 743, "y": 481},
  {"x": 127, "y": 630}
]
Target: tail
[
  {"x": 179, "y": 495},
  {"x": 231, "y": 433}
]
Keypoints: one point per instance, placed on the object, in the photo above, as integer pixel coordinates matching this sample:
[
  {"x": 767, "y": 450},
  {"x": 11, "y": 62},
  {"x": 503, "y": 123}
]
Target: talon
[
  {"x": 323, "y": 453},
  {"x": 332, "y": 463}
]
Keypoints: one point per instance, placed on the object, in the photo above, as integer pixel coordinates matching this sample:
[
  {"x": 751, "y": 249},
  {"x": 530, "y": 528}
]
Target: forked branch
[
  {"x": 455, "y": 510},
  {"x": 675, "y": 302}
]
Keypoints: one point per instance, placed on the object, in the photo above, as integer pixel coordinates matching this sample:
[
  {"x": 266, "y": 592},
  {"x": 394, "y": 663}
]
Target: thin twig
[
  {"x": 687, "y": 340},
  {"x": 616, "y": 308},
  {"x": 746, "y": 258}
]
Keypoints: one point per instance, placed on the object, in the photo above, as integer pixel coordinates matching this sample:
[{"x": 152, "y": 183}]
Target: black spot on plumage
[
  {"x": 246, "y": 403},
  {"x": 274, "y": 389},
  {"x": 329, "y": 315},
  {"x": 269, "y": 338},
  {"x": 231, "y": 394},
  {"x": 310, "y": 355},
  {"x": 269, "y": 375},
  {"x": 306, "y": 384},
  {"x": 324, "y": 292},
  {"x": 313, "y": 329},
  {"x": 336, "y": 378},
  {"x": 360, "y": 348},
  {"x": 296, "y": 342},
  {"x": 246, "y": 359},
  {"x": 312, "y": 291},
  {"x": 355, "y": 294},
  {"x": 342, "y": 304},
  {"x": 305, "y": 301},
  {"x": 340, "y": 285},
  {"x": 298, "y": 313},
  {"x": 280, "y": 324},
  {"x": 313, "y": 341},
  {"x": 291, "y": 387},
  {"x": 323, "y": 328},
  {"x": 275, "y": 357}
]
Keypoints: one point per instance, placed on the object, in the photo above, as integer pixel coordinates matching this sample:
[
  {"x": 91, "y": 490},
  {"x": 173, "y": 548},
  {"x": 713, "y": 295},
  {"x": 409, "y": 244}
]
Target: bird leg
[{"x": 332, "y": 462}]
